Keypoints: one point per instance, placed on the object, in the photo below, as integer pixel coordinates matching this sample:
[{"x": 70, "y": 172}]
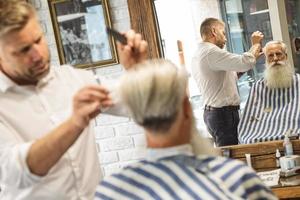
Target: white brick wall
[
  {"x": 119, "y": 141},
  {"x": 104, "y": 132}
]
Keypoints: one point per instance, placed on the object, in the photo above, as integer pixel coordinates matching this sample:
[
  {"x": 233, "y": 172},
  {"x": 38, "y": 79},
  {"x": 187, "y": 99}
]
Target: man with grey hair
[
  {"x": 47, "y": 146},
  {"x": 215, "y": 72},
  {"x": 272, "y": 109},
  {"x": 180, "y": 164}
]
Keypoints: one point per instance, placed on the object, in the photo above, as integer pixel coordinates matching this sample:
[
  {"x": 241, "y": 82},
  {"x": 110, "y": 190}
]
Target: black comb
[{"x": 117, "y": 35}]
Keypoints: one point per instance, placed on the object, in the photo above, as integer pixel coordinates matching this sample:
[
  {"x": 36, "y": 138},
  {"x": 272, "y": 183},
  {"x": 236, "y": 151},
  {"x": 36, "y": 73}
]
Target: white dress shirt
[
  {"x": 28, "y": 113},
  {"x": 214, "y": 71}
]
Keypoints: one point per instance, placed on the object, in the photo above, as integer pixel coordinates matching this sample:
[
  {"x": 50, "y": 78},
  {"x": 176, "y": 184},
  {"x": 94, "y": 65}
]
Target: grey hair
[
  {"x": 153, "y": 92},
  {"x": 282, "y": 44},
  {"x": 14, "y": 15}
]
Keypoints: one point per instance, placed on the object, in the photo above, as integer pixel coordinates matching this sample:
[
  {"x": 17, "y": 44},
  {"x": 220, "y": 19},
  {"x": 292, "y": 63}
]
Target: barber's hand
[
  {"x": 87, "y": 103},
  {"x": 256, "y": 50},
  {"x": 256, "y": 40},
  {"x": 135, "y": 51},
  {"x": 257, "y": 37}
]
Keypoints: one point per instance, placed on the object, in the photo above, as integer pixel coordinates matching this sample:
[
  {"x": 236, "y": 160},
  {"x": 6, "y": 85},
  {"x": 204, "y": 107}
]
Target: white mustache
[{"x": 277, "y": 63}]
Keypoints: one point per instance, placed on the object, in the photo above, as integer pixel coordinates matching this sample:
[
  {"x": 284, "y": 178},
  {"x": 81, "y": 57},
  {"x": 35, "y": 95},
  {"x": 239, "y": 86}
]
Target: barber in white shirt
[
  {"x": 47, "y": 146},
  {"x": 214, "y": 70}
]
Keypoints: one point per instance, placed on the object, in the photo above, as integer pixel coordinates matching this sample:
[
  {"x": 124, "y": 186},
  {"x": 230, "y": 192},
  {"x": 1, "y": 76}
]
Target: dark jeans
[{"x": 222, "y": 125}]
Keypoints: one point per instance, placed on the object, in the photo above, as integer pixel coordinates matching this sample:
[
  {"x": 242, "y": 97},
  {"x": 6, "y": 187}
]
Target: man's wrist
[
  {"x": 77, "y": 124},
  {"x": 255, "y": 50}
]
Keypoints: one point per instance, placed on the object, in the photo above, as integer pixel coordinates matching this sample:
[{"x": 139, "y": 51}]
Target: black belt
[{"x": 210, "y": 108}]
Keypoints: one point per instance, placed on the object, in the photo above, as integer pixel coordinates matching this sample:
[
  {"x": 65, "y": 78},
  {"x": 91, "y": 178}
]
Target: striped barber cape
[
  {"x": 184, "y": 177},
  {"x": 270, "y": 113}
]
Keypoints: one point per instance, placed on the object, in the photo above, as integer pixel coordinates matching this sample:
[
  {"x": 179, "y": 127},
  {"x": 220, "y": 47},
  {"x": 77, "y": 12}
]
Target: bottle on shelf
[
  {"x": 287, "y": 146},
  {"x": 277, "y": 155}
]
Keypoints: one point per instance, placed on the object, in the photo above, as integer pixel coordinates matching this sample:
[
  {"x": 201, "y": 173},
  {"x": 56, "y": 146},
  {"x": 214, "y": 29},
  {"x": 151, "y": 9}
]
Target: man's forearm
[
  {"x": 45, "y": 152},
  {"x": 255, "y": 50}
]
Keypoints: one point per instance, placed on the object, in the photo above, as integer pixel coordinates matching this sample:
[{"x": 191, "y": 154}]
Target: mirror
[
  {"x": 182, "y": 48},
  {"x": 80, "y": 32}
]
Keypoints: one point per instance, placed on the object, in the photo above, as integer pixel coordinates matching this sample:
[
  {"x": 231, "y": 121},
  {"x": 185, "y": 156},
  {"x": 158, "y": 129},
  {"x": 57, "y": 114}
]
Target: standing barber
[
  {"x": 214, "y": 70},
  {"x": 47, "y": 144}
]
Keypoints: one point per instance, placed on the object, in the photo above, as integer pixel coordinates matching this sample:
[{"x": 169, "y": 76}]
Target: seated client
[
  {"x": 272, "y": 109},
  {"x": 179, "y": 164}
]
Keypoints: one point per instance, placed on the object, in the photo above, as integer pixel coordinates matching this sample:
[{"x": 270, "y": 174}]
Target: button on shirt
[
  {"x": 28, "y": 113},
  {"x": 214, "y": 71}
]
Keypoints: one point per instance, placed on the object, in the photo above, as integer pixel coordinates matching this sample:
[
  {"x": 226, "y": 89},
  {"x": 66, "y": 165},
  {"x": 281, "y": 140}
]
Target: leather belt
[{"x": 210, "y": 108}]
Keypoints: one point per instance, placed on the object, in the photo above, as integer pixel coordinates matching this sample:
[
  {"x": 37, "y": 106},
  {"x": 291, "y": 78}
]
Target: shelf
[{"x": 259, "y": 12}]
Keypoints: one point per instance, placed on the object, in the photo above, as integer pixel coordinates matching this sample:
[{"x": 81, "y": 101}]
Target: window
[{"x": 243, "y": 17}]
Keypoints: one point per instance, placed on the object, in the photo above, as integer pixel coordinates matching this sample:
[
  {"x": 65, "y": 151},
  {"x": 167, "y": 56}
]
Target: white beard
[
  {"x": 201, "y": 145},
  {"x": 279, "y": 75}
]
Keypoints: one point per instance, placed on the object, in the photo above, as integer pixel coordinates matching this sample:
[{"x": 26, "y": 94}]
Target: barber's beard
[
  {"x": 279, "y": 75},
  {"x": 220, "y": 44},
  {"x": 201, "y": 145}
]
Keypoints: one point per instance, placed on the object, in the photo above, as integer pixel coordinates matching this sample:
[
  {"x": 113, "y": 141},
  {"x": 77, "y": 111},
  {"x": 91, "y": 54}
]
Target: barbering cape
[{"x": 270, "y": 113}]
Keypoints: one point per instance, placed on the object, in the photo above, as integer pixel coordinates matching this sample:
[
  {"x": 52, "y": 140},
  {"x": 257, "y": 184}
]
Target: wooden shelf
[{"x": 263, "y": 159}]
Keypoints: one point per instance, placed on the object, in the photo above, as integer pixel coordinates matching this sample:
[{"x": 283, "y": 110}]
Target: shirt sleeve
[
  {"x": 14, "y": 170},
  {"x": 220, "y": 59}
]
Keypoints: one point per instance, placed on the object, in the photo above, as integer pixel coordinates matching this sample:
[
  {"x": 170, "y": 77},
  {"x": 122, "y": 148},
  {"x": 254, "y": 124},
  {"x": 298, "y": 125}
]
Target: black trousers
[{"x": 222, "y": 124}]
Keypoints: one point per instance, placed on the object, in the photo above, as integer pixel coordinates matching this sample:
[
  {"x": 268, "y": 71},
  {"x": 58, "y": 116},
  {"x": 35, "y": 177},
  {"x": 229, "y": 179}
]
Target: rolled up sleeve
[{"x": 14, "y": 171}]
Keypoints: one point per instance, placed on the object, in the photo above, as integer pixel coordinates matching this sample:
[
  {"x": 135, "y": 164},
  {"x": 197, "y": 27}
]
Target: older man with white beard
[
  {"x": 180, "y": 164},
  {"x": 272, "y": 109}
]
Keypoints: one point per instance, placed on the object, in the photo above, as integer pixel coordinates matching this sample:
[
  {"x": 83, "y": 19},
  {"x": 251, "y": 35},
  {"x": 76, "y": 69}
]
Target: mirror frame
[
  {"x": 110, "y": 57},
  {"x": 143, "y": 20}
]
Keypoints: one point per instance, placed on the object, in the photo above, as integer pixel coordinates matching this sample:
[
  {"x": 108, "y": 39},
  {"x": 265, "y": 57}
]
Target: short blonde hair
[
  {"x": 153, "y": 93},
  {"x": 207, "y": 24},
  {"x": 14, "y": 15}
]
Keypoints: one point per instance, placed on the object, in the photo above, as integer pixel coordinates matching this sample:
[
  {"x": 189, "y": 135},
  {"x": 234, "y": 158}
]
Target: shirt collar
[
  {"x": 6, "y": 83},
  {"x": 157, "y": 153},
  {"x": 47, "y": 78}
]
